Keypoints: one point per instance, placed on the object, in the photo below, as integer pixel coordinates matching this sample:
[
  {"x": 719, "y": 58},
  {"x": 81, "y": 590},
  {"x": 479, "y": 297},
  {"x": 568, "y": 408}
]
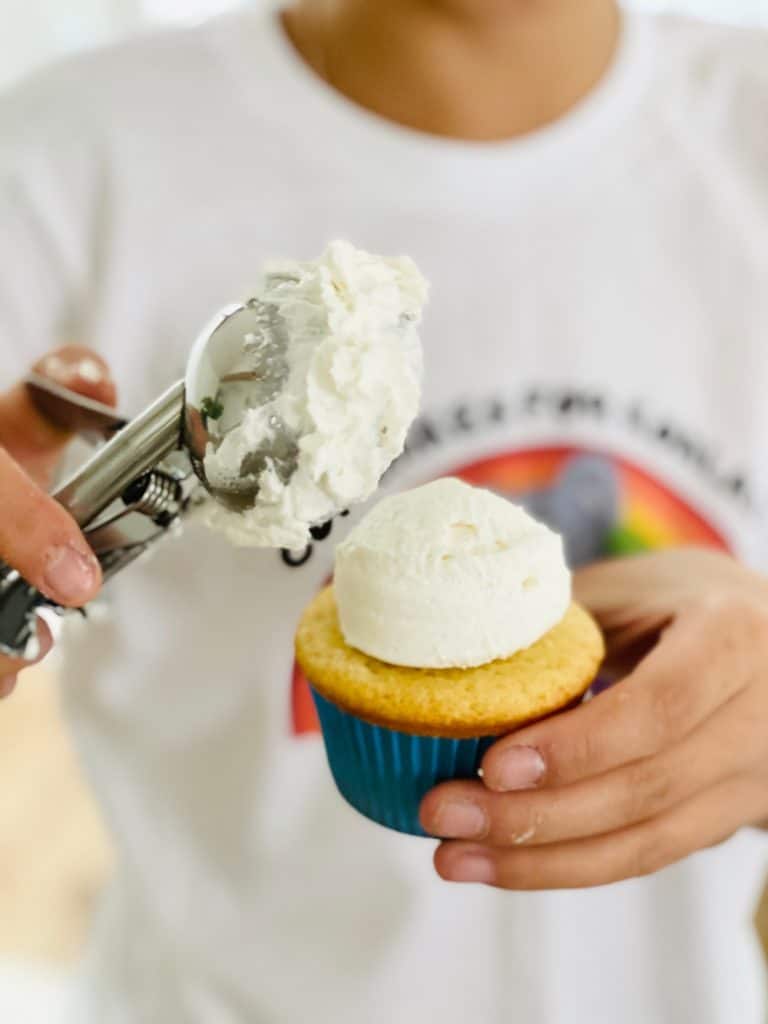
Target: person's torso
[{"x": 597, "y": 351}]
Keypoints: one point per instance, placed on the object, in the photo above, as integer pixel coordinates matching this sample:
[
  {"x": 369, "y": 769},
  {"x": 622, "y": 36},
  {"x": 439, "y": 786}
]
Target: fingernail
[
  {"x": 519, "y": 768},
  {"x": 461, "y": 819},
  {"x": 473, "y": 868},
  {"x": 65, "y": 371},
  {"x": 90, "y": 370},
  {"x": 70, "y": 574}
]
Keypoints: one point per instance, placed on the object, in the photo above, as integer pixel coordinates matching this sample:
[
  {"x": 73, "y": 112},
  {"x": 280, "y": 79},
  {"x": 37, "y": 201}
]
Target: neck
[{"x": 480, "y": 70}]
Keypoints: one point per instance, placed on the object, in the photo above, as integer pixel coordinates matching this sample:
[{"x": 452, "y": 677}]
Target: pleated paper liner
[{"x": 386, "y": 774}]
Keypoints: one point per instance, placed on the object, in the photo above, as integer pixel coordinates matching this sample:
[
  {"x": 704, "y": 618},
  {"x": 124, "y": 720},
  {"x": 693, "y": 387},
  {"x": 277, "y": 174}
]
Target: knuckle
[
  {"x": 514, "y": 871},
  {"x": 734, "y": 611},
  {"x": 649, "y": 790},
  {"x": 649, "y": 856},
  {"x": 517, "y": 828},
  {"x": 28, "y": 509},
  {"x": 574, "y": 757},
  {"x": 41, "y": 512},
  {"x": 735, "y": 626},
  {"x": 672, "y": 710},
  {"x": 53, "y": 525},
  {"x": 713, "y": 606}
]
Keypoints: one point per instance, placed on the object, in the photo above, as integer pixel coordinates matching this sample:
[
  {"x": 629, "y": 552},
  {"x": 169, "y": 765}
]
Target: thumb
[
  {"x": 620, "y": 583},
  {"x": 79, "y": 369},
  {"x": 40, "y": 540},
  {"x": 623, "y": 597},
  {"x": 602, "y": 585}
]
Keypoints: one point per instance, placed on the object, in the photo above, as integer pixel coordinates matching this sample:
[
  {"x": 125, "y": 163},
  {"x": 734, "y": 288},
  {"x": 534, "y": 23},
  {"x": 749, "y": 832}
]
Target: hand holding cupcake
[{"x": 450, "y": 623}]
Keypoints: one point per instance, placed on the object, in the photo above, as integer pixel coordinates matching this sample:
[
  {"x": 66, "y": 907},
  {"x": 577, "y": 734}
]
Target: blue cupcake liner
[{"x": 386, "y": 774}]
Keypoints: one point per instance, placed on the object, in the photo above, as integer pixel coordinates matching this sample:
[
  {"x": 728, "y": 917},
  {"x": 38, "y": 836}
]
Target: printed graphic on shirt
[{"x": 601, "y": 504}]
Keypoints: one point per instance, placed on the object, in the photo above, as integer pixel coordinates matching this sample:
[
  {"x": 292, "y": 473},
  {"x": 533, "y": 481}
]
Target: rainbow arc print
[{"x": 601, "y": 504}]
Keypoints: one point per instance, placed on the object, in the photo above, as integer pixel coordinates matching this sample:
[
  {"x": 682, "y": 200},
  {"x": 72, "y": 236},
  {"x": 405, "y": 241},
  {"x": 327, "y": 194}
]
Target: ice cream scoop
[{"x": 261, "y": 419}]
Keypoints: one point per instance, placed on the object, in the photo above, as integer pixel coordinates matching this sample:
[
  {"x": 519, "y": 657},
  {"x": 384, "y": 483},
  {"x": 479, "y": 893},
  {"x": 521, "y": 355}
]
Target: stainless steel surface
[
  {"x": 149, "y": 508},
  {"x": 138, "y": 448},
  {"x": 64, "y": 408},
  {"x": 19, "y": 602},
  {"x": 238, "y": 363}
]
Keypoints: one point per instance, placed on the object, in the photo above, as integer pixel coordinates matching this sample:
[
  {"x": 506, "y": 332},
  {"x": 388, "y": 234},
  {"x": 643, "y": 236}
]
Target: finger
[
  {"x": 623, "y": 595},
  {"x": 699, "y": 664},
  {"x": 611, "y": 585},
  {"x": 614, "y": 582},
  {"x": 81, "y": 370},
  {"x": 10, "y": 667},
  {"x": 607, "y": 803},
  {"x": 26, "y": 434},
  {"x": 40, "y": 540},
  {"x": 706, "y": 819},
  {"x": 634, "y": 598}
]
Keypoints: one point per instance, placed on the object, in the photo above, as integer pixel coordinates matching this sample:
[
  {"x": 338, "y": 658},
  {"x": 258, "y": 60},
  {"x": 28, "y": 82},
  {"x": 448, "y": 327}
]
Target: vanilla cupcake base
[{"x": 391, "y": 734}]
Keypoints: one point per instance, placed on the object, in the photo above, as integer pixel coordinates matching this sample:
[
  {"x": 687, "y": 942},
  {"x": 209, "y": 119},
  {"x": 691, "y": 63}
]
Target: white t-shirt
[{"x": 596, "y": 345}]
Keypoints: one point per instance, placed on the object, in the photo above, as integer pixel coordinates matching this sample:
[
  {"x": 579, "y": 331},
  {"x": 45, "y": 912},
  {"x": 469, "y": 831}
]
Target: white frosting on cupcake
[{"x": 449, "y": 575}]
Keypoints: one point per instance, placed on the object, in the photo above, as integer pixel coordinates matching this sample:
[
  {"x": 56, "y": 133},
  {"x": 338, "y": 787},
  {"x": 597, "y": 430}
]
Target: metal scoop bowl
[{"x": 238, "y": 364}]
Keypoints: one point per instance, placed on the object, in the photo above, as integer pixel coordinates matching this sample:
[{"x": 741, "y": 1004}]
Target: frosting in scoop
[{"x": 351, "y": 389}]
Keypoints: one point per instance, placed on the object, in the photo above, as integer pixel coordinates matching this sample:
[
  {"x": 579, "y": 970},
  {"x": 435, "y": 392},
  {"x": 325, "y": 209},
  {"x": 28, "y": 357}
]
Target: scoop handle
[
  {"x": 135, "y": 450},
  {"x": 69, "y": 410},
  {"x": 129, "y": 455}
]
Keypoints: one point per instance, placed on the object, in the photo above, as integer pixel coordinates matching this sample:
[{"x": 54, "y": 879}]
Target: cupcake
[{"x": 449, "y": 623}]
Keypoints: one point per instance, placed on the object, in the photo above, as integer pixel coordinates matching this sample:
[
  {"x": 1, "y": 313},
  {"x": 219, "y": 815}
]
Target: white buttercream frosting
[
  {"x": 352, "y": 391},
  {"x": 449, "y": 575}
]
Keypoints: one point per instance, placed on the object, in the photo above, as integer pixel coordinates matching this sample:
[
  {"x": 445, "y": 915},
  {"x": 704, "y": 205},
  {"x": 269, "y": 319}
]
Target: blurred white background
[{"x": 33, "y": 32}]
